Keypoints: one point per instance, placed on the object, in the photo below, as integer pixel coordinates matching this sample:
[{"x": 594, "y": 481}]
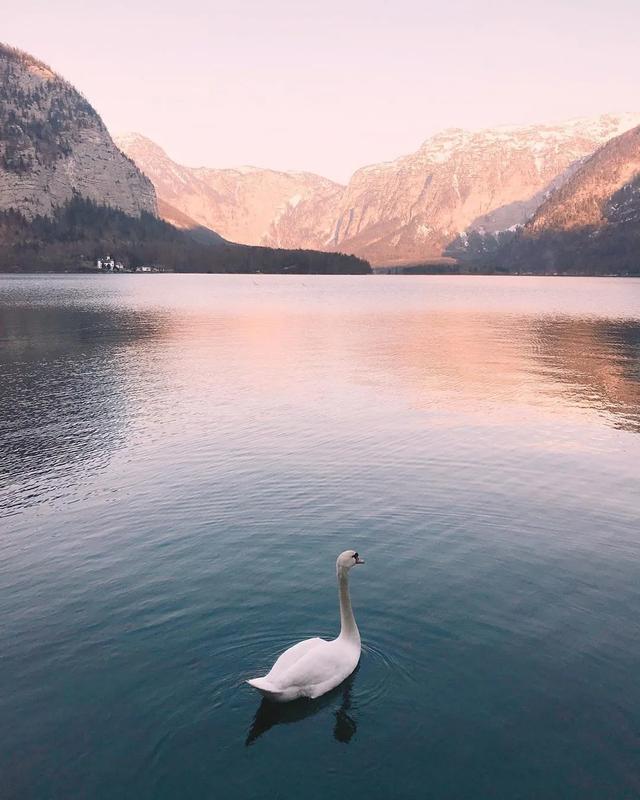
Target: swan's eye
[{"x": 355, "y": 555}]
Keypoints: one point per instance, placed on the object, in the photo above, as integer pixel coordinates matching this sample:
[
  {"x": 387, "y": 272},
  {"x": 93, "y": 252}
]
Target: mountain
[
  {"x": 248, "y": 204},
  {"x": 403, "y": 211},
  {"x": 68, "y": 195},
  {"x": 591, "y": 224},
  {"x": 409, "y": 209},
  {"x": 53, "y": 145},
  {"x": 587, "y": 199},
  {"x": 184, "y": 223}
]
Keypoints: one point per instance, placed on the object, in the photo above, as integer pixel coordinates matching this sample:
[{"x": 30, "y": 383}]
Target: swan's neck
[{"x": 348, "y": 628}]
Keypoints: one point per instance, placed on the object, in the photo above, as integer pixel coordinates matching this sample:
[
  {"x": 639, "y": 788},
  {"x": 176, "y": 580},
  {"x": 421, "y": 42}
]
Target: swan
[{"x": 315, "y": 666}]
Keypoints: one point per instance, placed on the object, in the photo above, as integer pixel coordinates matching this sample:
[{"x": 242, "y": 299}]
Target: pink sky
[{"x": 330, "y": 86}]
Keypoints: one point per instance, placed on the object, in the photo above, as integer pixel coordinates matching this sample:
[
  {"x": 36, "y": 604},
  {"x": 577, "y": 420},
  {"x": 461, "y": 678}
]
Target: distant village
[{"x": 109, "y": 264}]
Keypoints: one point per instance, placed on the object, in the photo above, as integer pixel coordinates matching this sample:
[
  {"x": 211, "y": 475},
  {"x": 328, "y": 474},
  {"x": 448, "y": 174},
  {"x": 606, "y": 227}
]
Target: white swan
[{"x": 315, "y": 666}]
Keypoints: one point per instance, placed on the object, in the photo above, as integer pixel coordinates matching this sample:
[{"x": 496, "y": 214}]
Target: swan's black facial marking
[{"x": 355, "y": 555}]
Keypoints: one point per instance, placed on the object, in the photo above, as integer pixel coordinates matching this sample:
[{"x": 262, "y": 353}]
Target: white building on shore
[{"x": 108, "y": 264}]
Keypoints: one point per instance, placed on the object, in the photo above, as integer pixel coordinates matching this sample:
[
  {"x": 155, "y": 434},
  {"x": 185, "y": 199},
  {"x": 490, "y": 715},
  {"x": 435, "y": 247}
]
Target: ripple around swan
[
  {"x": 383, "y": 672},
  {"x": 382, "y": 669},
  {"x": 251, "y": 655}
]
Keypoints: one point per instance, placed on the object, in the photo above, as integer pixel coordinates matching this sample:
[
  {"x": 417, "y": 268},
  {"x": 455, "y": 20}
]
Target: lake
[{"x": 182, "y": 458}]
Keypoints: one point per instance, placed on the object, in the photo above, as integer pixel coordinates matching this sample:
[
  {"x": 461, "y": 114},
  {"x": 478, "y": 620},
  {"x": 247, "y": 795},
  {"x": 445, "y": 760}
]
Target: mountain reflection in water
[{"x": 64, "y": 394}]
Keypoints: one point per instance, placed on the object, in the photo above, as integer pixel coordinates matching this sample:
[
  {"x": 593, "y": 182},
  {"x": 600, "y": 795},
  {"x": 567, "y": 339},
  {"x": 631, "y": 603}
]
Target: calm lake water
[{"x": 183, "y": 457}]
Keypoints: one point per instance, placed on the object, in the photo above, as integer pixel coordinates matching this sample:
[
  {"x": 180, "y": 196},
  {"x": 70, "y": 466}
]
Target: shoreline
[{"x": 375, "y": 273}]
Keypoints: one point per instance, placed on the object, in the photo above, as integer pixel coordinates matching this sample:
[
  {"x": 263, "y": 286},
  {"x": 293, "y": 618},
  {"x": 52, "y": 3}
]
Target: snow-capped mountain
[
  {"x": 396, "y": 212},
  {"x": 248, "y": 205},
  {"x": 591, "y": 224},
  {"x": 411, "y": 208}
]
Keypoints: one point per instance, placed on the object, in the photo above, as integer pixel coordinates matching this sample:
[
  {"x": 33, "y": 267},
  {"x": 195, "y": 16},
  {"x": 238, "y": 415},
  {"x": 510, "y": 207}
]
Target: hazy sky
[{"x": 329, "y": 86}]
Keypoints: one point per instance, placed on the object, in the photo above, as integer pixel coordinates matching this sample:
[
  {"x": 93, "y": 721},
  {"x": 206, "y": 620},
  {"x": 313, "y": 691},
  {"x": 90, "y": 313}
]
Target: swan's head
[{"x": 348, "y": 559}]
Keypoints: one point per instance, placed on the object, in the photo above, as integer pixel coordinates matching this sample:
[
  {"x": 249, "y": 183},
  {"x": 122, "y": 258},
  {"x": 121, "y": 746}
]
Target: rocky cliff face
[
  {"x": 247, "y": 205},
  {"x": 53, "y": 145}
]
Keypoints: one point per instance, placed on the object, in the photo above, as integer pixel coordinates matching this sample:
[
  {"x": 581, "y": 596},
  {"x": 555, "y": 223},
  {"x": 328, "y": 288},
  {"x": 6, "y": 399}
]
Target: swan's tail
[{"x": 266, "y": 688}]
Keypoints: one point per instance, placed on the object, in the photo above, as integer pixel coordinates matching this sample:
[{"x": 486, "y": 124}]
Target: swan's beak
[{"x": 359, "y": 560}]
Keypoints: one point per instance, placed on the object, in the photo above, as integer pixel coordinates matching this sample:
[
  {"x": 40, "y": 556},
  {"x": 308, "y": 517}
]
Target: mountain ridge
[
  {"x": 410, "y": 209},
  {"x": 242, "y": 204},
  {"x": 400, "y": 211}
]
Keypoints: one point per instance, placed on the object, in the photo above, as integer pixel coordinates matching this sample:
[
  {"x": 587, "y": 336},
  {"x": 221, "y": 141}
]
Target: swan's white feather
[
  {"x": 309, "y": 669},
  {"x": 265, "y": 687},
  {"x": 315, "y": 666},
  {"x": 291, "y": 655}
]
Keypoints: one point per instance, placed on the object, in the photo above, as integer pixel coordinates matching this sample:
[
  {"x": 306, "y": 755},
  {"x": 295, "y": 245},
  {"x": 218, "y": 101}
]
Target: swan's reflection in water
[{"x": 270, "y": 714}]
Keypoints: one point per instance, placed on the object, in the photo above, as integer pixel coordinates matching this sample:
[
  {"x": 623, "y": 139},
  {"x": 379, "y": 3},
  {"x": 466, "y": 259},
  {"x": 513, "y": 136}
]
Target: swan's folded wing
[
  {"x": 325, "y": 665},
  {"x": 287, "y": 659}
]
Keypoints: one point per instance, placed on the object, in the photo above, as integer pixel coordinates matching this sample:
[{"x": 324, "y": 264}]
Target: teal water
[{"x": 183, "y": 457}]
